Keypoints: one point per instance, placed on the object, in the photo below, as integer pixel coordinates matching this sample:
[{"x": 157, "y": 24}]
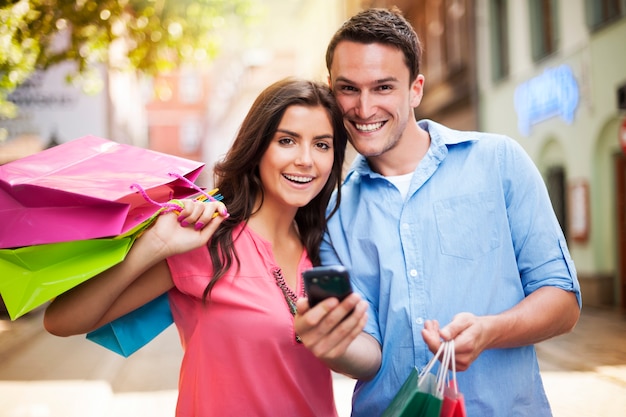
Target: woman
[{"x": 233, "y": 277}]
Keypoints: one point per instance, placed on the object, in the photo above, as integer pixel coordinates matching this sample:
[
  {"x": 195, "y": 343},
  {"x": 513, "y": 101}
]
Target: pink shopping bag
[{"x": 82, "y": 190}]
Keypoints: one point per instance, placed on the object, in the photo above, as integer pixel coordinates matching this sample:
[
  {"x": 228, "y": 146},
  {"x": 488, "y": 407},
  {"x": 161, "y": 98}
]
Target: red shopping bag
[
  {"x": 453, "y": 402},
  {"x": 82, "y": 190}
]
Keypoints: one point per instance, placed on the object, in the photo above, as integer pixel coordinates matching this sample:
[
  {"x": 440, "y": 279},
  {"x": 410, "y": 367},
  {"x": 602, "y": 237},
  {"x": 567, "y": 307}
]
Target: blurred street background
[
  {"x": 549, "y": 73},
  {"x": 41, "y": 375}
]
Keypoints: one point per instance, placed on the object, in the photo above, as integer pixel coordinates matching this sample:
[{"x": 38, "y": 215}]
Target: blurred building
[
  {"x": 176, "y": 113},
  {"x": 552, "y": 74},
  {"x": 446, "y": 29}
]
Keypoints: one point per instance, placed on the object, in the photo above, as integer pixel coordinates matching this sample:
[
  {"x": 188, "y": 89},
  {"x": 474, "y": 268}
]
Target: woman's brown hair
[{"x": 237, "y": 175}]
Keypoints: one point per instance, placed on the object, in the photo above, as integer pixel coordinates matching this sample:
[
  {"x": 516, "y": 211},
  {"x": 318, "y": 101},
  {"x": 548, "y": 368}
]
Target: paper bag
[
  {"x": 134, "y": 330},
  {"x": 33, "y": 275},
  {"x": 416, "y": 397},
  {"x": 81, "y": 190}
]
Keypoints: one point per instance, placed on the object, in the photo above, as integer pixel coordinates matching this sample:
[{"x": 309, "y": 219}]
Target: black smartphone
[{"x": 321, "y": 282}]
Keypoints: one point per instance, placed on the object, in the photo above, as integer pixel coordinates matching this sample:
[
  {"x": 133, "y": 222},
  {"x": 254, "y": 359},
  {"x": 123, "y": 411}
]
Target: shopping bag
[
  {"x": 33, "y": 275},
  {"x": 419, "y": 395},
  {"x": 453, "y": 401},
  {"x": 134, "y": 330},
  {"x": 131, "y": 332},
  {"x": 416, "y": 398},
  {"x": 81, "y": 190}
]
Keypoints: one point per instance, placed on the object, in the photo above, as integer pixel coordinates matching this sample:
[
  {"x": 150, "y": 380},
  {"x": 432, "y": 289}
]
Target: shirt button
[
  {"x": 419, "y": 320},
  {"x": 413, "y": 273},
  {"x": 405, "y": 226}
]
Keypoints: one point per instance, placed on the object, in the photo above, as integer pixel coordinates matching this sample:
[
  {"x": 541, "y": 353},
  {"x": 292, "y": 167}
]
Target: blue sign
[{"x": 553, "y": 93}]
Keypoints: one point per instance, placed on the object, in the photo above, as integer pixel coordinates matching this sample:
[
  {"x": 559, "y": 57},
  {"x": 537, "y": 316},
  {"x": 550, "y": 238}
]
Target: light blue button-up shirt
[{"x": 476, "y": 233}]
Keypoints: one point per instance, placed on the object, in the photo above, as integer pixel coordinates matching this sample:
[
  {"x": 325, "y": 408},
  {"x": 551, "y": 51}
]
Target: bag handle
[
  {"x": 430, "y": 364},
  {"x": 194, "y": 186},
  {"x": 448, "y": 363},
  {"x": 175, "y": 205}
]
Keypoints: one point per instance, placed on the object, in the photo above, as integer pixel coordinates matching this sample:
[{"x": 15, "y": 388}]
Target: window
[
  {"x": 457, "y": 35},
  {"x": 190, "y": 136},
  {"x": 601, "y": 12},
  {"x": 498, "y": 11},
  {"x": 190, "y": 88},
  {"x": 543, "y": 18},
  {"x": 555, "y": 182}
]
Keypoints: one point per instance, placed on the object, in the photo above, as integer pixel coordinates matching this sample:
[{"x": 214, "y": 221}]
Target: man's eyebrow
[{"x": 376, "y": 82}]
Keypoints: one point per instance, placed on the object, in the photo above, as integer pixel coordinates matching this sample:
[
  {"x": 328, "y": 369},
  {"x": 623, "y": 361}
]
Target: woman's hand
[{"x": 192, "y": 227}]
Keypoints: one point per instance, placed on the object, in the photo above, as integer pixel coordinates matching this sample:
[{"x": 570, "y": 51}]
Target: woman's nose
[{"x": 304, "y": 157}]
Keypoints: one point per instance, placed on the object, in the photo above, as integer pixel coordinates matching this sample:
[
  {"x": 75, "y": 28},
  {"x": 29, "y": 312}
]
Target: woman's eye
[
  {"x": 323, "y": 145},
  {"x": 285, "y": 141}
]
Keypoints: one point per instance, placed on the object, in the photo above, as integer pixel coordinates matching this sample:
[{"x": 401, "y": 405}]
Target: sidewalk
[{"x": 584, "y": 373}]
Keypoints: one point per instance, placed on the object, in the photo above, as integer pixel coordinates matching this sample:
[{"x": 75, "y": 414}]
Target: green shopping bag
[
  {"x": 421, "y": 394},
  {"x": 416, "y": 398},
  {"x": 33, "y": 275}
]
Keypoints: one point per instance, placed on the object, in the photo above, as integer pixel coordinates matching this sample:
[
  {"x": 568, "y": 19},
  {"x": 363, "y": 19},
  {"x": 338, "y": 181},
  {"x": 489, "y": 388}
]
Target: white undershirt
[{"x": 402, "y": 183}]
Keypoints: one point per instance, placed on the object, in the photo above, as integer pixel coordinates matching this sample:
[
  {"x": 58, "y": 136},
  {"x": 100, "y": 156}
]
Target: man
[{"x": 435, "y": 226}]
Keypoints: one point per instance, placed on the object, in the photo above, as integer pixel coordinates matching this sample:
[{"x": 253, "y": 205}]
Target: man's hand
[
  {"x": 466, "y": 330},
  {"x": 545, "y": 313}
]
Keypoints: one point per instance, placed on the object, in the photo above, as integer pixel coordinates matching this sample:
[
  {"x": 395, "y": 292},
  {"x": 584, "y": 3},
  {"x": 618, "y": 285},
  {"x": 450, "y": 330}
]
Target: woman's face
[{"x": 299, "y": 159}]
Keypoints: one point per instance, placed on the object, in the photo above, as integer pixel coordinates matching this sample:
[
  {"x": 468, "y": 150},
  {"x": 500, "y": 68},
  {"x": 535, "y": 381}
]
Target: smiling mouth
[
  {"x": 298, "y": 178},
  {"x": 368, "y": 127}
]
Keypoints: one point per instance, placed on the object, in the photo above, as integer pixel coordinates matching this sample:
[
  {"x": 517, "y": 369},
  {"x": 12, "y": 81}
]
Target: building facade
[
  {"x": 552, "y": 75},
  {"x": 446, "y": 29}
]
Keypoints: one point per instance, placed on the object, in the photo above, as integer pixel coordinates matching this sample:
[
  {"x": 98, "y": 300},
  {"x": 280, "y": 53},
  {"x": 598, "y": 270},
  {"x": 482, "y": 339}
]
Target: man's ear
[{"x": 417, "y": 91}]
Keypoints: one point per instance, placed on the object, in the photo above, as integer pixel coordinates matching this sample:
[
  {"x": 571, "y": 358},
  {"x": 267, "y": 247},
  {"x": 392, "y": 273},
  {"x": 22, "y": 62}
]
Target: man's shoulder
[{"x": 451, "y": 136}]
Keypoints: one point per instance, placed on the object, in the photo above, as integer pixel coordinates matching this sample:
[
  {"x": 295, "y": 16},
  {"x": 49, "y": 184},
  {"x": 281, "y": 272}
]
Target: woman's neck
[{"x": 274, "y": 224}]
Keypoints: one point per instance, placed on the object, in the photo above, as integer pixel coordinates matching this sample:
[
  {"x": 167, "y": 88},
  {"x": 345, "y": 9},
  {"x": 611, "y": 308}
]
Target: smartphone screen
[{"x": 322, "y": 282}]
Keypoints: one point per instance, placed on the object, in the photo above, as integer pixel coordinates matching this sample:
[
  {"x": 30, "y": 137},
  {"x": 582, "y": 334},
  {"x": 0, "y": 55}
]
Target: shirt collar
[{"x": 441, "y": 137}]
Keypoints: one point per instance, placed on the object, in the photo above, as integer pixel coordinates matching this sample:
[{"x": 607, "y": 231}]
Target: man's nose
[{"x": 365, "y": 108}]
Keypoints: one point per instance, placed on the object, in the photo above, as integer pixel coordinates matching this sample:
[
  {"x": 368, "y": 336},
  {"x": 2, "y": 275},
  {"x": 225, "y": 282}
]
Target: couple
[{"x": 435, "y": 226}]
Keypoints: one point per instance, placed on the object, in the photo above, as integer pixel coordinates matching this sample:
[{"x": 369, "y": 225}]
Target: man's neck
[{"x": 405, "y": 156}]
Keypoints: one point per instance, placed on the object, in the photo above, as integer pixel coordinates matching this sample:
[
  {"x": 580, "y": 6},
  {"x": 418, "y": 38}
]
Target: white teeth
[
  {"x": 368, "y": 127},
  {"x": 298, "y": 179}
]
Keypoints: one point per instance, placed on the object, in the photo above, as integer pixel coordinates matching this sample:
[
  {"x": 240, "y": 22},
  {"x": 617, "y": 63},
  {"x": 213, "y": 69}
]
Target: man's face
[{"x": 371, "y": 84}]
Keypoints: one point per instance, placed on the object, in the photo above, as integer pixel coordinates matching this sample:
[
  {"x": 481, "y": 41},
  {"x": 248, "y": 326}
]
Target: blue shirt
[{"x": 476, "y": 233}]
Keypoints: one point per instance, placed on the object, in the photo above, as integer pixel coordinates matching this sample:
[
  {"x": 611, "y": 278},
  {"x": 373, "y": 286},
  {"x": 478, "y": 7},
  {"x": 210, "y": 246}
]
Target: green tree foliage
[{"x": 150, "y": 36}]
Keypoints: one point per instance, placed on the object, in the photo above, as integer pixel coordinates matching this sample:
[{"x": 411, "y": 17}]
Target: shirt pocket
[{"x": 467, "y": 225}]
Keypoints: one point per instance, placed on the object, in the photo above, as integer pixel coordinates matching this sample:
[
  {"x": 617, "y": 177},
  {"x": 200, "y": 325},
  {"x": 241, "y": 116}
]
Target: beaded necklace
[{"x": 290, "y": 296}]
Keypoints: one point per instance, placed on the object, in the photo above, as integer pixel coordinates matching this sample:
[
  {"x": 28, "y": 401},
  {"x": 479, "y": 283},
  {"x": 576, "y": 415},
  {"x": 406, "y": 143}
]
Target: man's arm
[
  {"x": 333, "y": 332},
  {"x": 546, "y": 313}
]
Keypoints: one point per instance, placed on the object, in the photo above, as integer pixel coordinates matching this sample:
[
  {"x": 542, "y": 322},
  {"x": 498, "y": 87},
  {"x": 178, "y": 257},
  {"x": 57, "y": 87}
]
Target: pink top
[{"x": 240, "y": 354}]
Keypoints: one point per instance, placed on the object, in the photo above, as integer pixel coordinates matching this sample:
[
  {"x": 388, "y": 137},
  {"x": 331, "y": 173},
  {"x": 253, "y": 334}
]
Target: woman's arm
[{"x": 141, "y": 277}]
